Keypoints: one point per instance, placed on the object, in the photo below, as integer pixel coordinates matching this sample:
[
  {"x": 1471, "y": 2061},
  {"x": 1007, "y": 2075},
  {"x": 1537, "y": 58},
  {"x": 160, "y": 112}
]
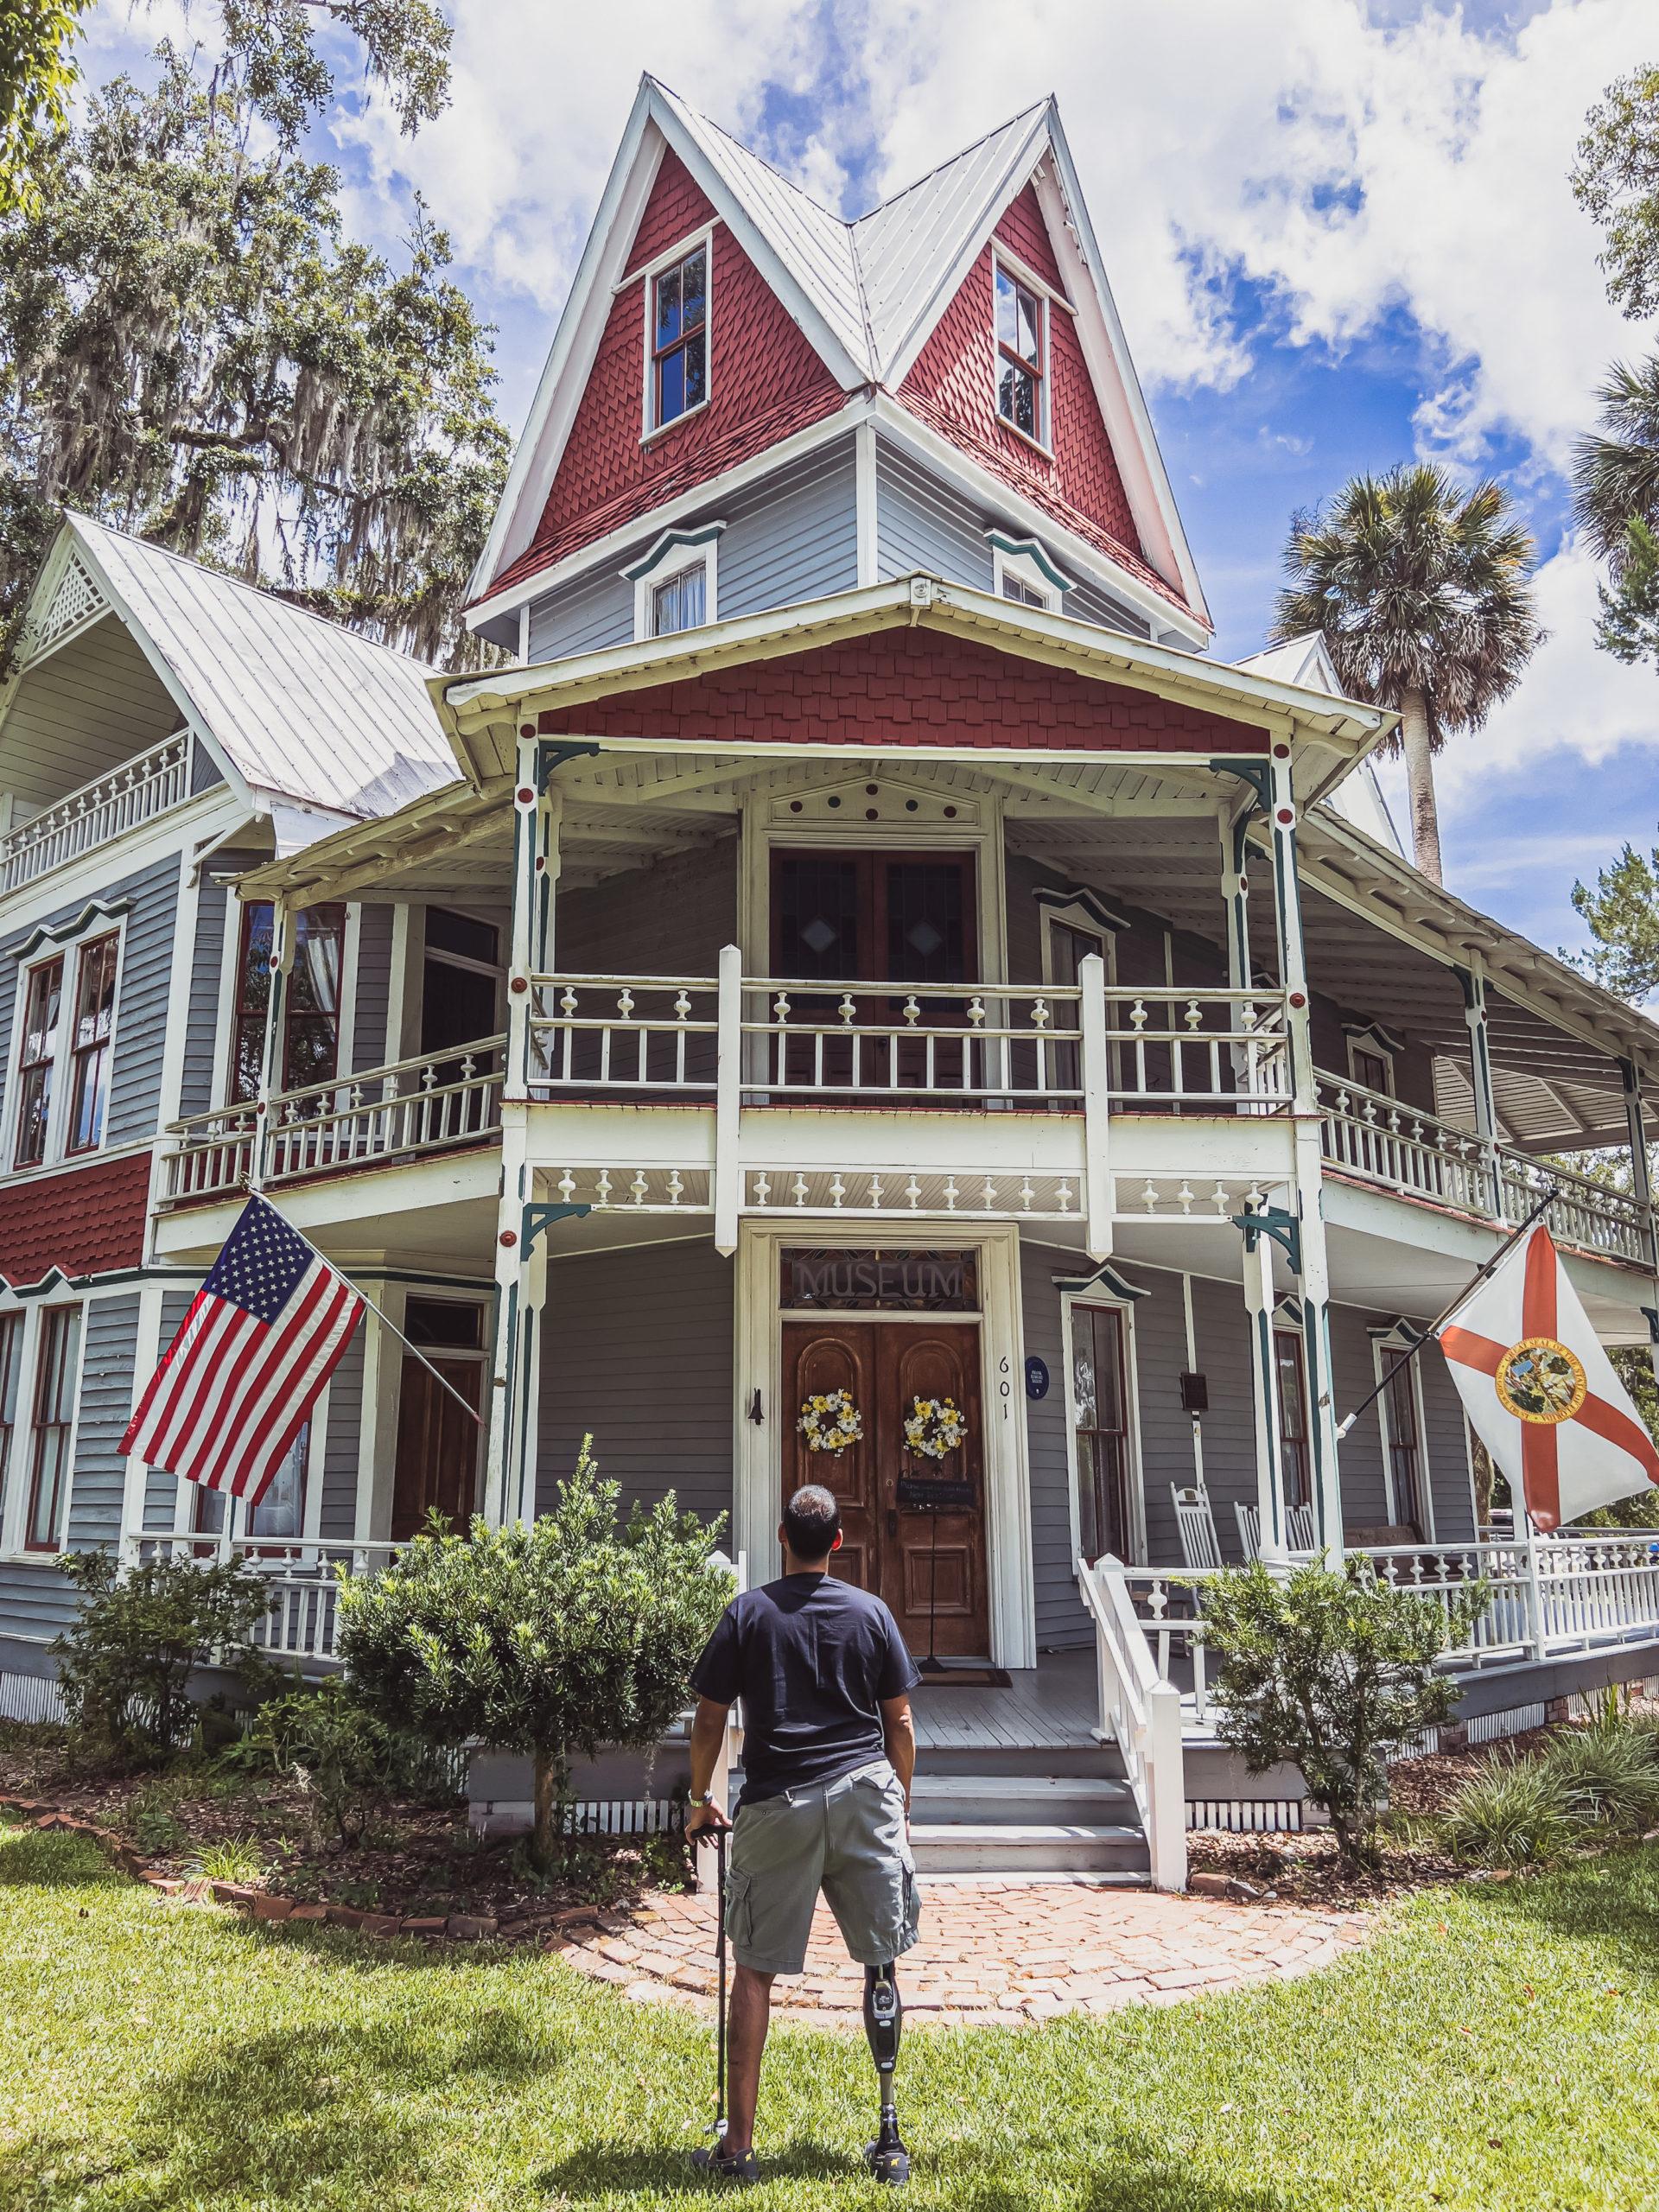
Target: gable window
[
  {"x": 679, "y": 602},
  {"x": 679, "y": 338},
  {"x": 1022, "y": 571},
  {"x": 89, "y": 1042},
  {"x": 1022, "y": 594},
  {"x": 311, "y": 1002},
  {"x": 52, "y": 1427},
  {"x": 1021, "y": 357},
  {"x": 42, "y": 1013}
]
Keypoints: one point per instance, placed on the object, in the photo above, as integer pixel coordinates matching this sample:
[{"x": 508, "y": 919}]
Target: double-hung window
[
  {"x": 36, "y": 1061},
  {"x": 310, "y": 1044},
  {"x": 1022, "y": 594},
  {"x": 1021, "y": 357},
  {"x": 680, "y": 602},
  {"x": 57, "y": 1361},
  {"x": 89, "y": 1043},
  {"x": 679, "y": 338}
]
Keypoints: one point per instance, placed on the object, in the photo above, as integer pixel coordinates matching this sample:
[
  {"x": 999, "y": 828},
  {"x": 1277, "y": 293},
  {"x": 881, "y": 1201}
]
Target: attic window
[
  {"x": 679, "y": 337},
  {"x": 1021, "y": 357},
  {"x": 1022, "y": 594}
]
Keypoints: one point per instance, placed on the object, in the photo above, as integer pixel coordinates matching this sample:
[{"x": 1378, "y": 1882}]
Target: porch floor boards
[{"x": 1051, "y": 1707}]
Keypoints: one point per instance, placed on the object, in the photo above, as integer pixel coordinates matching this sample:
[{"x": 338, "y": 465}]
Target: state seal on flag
[{"x": 1540, "y": 1380}]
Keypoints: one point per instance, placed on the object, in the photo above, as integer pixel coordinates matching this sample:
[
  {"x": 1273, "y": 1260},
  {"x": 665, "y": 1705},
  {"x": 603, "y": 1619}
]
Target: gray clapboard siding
[
  {"x": 161, "y": 1489},
  {"x": 1446, "y": 1437},
  {"x": 205, "y": 770},
  {"x": 1062, "y": 1620},
  {"x": 141, "y": 1009},
  {"x": 921, "y": 522},
  {"x": 108, "y": 1332},
  {"x": 637, "y": 1348},
  {"x": 35, "y": 1601},
  {"x": 1158, "y": 1324},
  {"x": 792, "y": 536},
  {"x": 583, "y": 616},
  {"x": 669, "y": 919},
  {"x": 1227, "y": 1435},
  {"x": 372, "y": 986},
  {"x": 201, "y": 1075},
  {"x": 1364, "y": 1492},
  {"x": 1087, "y": 602},
  {"x": 342, "y": 1443}
]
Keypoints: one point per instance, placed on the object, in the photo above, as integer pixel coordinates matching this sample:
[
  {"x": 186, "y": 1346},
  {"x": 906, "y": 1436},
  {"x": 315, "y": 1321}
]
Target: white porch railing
[
  {"x": 818, "y": 1039},
  {"x": 1404, "y": 1149},
  {"x": 1141, "y": 1712},
  {"x": 414, "y": 1106},
  {"x": 99, "y": 812},
  {"x": 302, "y": 1621}
]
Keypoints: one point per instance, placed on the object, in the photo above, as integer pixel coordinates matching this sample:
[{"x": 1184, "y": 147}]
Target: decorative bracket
[
  {"x": 551, "y": 753},
  {"x": 538, "y": 1217},
  {"x": 1283, "y": 1228},
  {"x": 1258, "y": 774}
]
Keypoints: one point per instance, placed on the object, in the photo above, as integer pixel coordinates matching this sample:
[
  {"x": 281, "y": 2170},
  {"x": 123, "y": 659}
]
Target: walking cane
[{"x": 705, "y": 2159}]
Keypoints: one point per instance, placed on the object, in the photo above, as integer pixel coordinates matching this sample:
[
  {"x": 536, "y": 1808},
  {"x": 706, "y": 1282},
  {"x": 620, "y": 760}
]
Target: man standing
[{"x": 829, "y": 1751}]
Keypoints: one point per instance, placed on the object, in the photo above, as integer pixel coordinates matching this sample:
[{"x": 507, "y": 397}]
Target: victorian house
[{"x": 859, "y": 946}]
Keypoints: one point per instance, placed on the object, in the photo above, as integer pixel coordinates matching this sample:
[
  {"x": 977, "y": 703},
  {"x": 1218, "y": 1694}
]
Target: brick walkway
[{"x": 997, "y": 1951}]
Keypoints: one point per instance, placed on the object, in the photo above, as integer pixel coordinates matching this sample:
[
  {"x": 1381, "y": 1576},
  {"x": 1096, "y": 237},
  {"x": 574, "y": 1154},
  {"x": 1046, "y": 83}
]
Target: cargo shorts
[{"x": 846, "y": 1838}]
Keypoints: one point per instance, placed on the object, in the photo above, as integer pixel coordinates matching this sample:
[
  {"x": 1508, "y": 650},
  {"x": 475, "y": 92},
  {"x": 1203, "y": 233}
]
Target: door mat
[{"x": 964, "y": 1675}]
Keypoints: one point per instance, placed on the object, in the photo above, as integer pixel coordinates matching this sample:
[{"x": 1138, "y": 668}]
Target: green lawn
[{"x": 1493, "y": 2050}]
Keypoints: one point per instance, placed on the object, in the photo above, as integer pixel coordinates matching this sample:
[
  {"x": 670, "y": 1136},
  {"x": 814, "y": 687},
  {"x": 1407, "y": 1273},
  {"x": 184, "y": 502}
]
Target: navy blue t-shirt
[{"x": 812, "y": 1659}]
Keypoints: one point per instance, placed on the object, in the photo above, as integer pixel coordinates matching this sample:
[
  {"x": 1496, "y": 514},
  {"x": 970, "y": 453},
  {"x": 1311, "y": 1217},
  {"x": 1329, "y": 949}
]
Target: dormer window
[
  {"x": 1021, "y": 357},
  {"x": 679, "y": 337},
  {"x": 677, "y": 585},
  {"x": 1022, "y": 594}
]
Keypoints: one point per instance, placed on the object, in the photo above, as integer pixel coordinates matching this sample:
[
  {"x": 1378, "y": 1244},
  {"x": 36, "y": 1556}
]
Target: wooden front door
[
  {"x": 437, "y": 1440},
  {"x": 929, "y": 1566}
]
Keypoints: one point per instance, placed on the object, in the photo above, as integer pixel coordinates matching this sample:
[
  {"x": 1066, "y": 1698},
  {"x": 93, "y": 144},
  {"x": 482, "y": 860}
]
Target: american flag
[{"x": 262, "y": 1336}]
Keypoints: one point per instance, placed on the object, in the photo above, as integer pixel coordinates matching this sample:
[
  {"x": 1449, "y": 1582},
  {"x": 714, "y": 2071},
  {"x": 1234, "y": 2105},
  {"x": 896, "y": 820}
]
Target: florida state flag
[{"x": 1542, "y": 1393}]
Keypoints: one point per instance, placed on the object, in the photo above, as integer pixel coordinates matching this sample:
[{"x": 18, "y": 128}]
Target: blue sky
[{"x": 1340, "y": 235}]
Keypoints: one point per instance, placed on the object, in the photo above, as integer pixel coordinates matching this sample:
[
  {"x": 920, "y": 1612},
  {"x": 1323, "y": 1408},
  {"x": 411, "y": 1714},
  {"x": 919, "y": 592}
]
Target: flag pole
[
  {"x": 1446, "y": 1312},
  {"x": 442, "y": 1382}
]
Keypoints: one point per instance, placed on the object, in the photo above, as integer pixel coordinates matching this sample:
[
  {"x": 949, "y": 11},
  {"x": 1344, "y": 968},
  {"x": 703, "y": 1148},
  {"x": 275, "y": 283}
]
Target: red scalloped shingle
[
  {"x": 89, "y": 1220},
  {"x": 906, "y": 686}
]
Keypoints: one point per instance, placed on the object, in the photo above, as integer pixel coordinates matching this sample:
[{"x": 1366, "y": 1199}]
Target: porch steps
[{"x": 1026, "y": 1823}]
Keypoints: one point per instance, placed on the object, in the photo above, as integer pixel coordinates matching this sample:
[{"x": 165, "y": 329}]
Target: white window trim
[
  {"x": 67, "y": 949},
  {"x": 1017, "y": 273},
  {"x": 1097, "y": 1295},
  {"x": 20, "y": 1477},
  {"x": 672, "y": 554},
  {"x": 1386, "y": 1352},
  {"x": 647, "y": 277},
  {"x": 1026, "y": 561}
]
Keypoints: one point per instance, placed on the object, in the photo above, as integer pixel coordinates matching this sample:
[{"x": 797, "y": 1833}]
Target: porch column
[
  {"x": 1259, "y": 1297},
  {"x": 1642, "y": 1185},
  {"x": 514, "y": 1376},
  {"x": 281, "y": 962},
  {"x": 537, "y": 809},
  {"x": 1310, "y": 1260},
  {"x": 1097, "y": 1070},
  {"x": 1473, "y": 981}
]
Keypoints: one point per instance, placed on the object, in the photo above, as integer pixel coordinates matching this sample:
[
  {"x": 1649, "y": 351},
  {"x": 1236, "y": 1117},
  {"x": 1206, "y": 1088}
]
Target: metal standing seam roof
[
  {"x": 869, "y": 279},
  {"x": 301, "y": 708}
]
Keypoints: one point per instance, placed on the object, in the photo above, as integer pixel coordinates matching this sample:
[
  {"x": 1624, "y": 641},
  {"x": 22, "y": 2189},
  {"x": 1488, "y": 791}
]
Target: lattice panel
[{"x": 76, "y": 600}]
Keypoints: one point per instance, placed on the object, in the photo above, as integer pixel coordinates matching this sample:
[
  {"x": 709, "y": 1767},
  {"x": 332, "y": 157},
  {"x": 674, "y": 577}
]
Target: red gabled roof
[{"x": 764, "y": 383}]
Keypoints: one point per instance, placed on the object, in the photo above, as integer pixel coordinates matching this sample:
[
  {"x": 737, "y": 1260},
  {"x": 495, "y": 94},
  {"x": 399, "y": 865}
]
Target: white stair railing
[{"x": 1142, "y": 1715}]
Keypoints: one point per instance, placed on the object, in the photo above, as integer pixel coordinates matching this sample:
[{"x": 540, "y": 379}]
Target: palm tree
[
  {"x": 1616, "y": 501},
  {"x": 1423, "y": 596}
]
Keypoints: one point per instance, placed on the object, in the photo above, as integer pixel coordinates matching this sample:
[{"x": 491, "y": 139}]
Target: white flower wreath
[
  {"x": 934, "y": 1427},
  {"x": 830, "y": 1422}
]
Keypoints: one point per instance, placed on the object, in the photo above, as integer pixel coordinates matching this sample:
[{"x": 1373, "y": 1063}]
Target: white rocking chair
[
  {"x": 1195, "y": 1524},
  {"x": 1298, "y": 1527}
]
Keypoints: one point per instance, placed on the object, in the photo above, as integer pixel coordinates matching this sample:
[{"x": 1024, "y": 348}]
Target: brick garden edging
[{"x": 993, "y": 1950}]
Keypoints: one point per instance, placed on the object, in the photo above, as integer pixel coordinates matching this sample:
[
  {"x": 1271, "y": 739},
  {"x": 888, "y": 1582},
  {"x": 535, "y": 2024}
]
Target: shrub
[
  {"x": 1512, "y": 1814},
  {"x": 349, "y": 1762},
  {"x": 558, "y": 1639},
  {"x": 1334, "y": 1674},
  {"x": 1606, "y": 1772},
  {"x": 124, "y": 1667}
]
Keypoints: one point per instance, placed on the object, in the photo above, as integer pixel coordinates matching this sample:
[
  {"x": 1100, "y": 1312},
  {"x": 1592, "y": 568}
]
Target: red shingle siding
[
  {"x": 905, "y": 687},
  {"x": 764, "y": 383},
  {"x": 952, "y": 387},
  {"x": 87, "y": 1221}
]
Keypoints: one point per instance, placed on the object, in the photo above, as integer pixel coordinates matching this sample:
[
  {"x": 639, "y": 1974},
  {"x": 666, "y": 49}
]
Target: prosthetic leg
[{"x": 888, "y": 2159}]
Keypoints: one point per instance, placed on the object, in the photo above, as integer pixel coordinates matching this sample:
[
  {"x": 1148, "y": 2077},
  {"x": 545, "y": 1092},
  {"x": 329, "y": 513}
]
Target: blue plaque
[{"x": 1036, "y": 1377}]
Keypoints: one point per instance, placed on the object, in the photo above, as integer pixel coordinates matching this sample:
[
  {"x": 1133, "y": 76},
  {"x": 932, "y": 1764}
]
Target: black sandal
[{"x": 739, "y": 2168}]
